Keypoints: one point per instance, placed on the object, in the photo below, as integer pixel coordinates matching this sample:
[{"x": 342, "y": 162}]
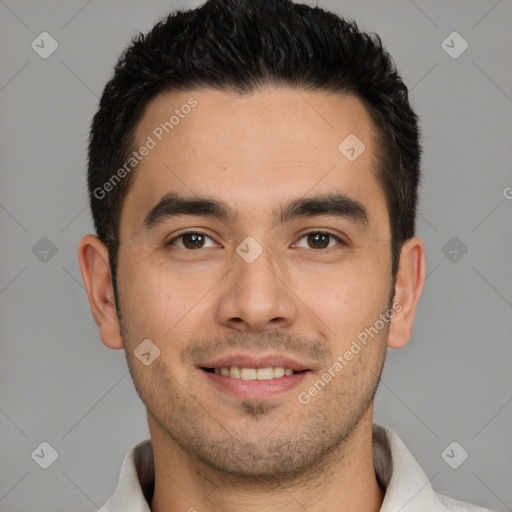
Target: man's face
[{"x": 256, "y": 289}]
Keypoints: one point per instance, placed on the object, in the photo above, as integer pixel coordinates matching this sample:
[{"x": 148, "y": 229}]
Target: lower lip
[{"x": 256, "y": 389}]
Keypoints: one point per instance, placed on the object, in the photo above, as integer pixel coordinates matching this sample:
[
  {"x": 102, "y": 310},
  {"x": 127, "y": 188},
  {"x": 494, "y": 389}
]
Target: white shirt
[{"x": 407, "y": 487}]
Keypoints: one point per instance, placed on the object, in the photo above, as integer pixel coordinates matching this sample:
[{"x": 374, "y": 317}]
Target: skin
[{"x": 213, "y": 450}]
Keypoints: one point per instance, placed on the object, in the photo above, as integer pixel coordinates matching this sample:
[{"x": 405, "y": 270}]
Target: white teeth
[
  {"x": 248, "y": 373},
  {"x": 265, "y": 374},
  {"x": 235, "y": 372},
  {"x": 278, "y": 372}
]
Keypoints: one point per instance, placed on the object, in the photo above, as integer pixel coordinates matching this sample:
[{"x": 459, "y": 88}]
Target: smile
[
  {"x": 254, "y": 383},
  {"x": 237, "y": 372}
]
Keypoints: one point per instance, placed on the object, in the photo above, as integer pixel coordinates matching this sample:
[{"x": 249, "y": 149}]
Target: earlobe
[
  {"x": 97, "y": 277},
  {"x": 408, "y": 287}
]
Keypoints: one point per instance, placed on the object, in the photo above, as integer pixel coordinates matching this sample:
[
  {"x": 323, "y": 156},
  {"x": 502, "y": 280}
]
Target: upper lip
[{"x": 251, "y": 361}]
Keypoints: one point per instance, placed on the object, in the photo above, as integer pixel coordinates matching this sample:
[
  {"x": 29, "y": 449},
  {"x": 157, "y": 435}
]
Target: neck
[{"x": 346, "y": 478}]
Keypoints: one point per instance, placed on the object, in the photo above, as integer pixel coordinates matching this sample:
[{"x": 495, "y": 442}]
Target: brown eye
[
  {"x": 320, "y": 240},
  {"x": 191, "y": 240}
]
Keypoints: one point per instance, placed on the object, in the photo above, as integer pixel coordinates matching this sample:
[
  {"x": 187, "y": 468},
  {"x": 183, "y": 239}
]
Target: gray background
[{"x": 59, "y": 384}]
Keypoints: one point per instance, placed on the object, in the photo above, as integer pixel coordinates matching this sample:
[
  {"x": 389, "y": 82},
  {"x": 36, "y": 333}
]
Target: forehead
[
  {"x": 301, "y": 121},
  {"x": 253, "y": 150}
]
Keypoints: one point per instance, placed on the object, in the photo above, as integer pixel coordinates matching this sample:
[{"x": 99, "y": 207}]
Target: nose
[{"x": 256, "y": 295}]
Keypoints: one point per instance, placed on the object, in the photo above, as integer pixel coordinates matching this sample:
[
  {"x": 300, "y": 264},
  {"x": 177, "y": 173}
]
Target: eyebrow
[{"x": 336, "y": 205}]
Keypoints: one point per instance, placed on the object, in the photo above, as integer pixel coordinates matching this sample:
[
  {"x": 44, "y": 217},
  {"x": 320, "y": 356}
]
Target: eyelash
[{"x": 181, "y": 235}]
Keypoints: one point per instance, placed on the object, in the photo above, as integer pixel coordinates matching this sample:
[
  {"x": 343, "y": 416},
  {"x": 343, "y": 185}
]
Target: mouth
[
  {"x": 254, "y": 378},
  {"x": 268, "y": 373}
]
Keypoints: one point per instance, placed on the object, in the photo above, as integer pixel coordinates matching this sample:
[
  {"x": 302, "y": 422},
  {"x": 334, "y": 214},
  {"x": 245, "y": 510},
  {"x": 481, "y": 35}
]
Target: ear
[
  {"x": 408, "y": 287},
  {"x": 97, "y": 277}
]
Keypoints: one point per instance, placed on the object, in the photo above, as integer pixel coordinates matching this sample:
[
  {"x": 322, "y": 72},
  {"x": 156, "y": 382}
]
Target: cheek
[
  {"x": 347, "y": 299},
  {"x": 159, "y": 301},
  {"x": 145, "y": 300}
]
